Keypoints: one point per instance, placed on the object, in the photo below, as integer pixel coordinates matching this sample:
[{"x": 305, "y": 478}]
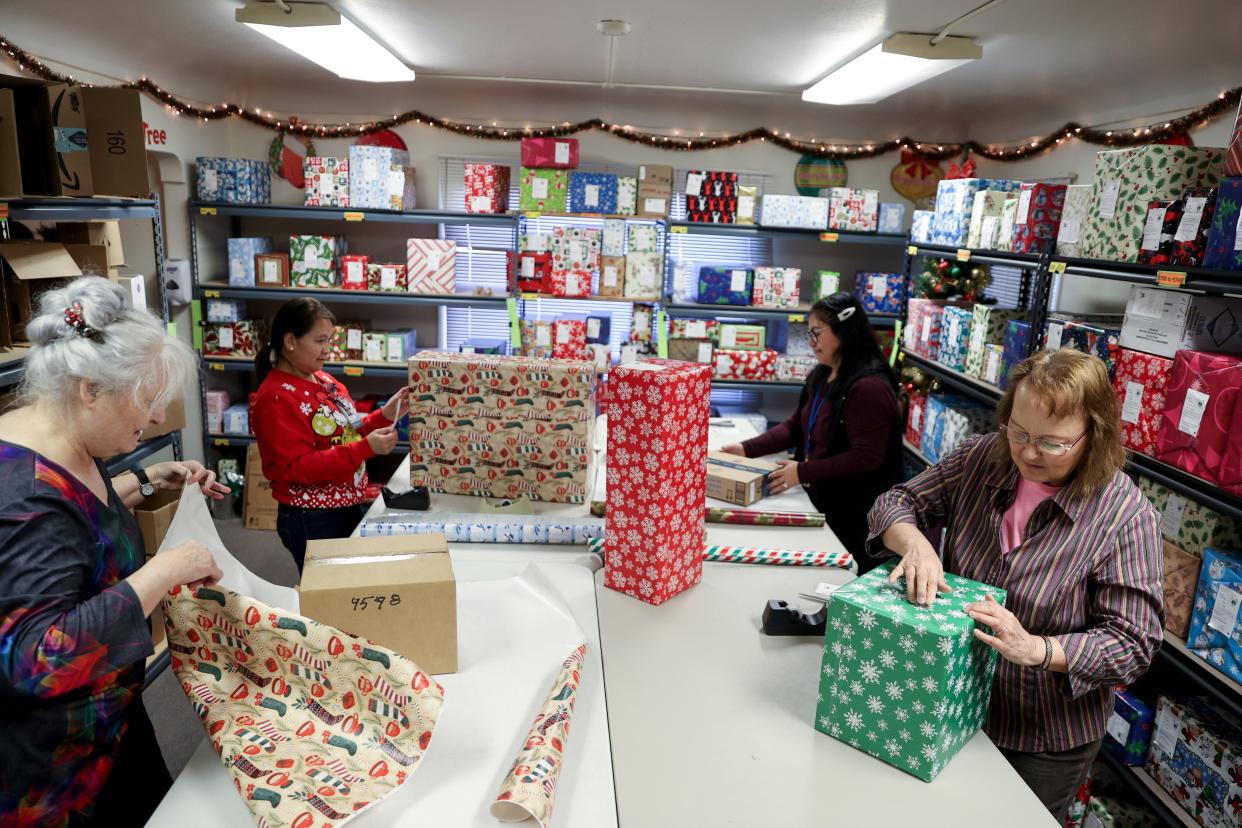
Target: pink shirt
[{"x": 1013, "y": 525}]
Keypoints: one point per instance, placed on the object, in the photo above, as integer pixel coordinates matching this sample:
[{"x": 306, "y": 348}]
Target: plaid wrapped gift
[
  {"x": 827, "y": 282},
  {"x": 241, "y": 258},
  {"x": 387, "y": 277},
  {"x": 955, "y": 337},
  {"x": 1004, "y": 234},
  {"x": 233, "y": 180},
  {"x": 548, "y": 153},
  {"x": 881, "y": 292},
  {"x": 1224, "y": 243},
  {"x": 487, "y": 188},
  {"x": 543, "y": 190},
  {"x": 794, "y": 368},
  {"x": 643, "y": 239},
  {"x": 777, "y": 287},
  {"x": 725, "y": 286},
  {"x": 852, "y": 209},
  {"x": 431, "y": 265},
  {"x": 627, "y": 195},
  {"x": 569, "y": 338},
  {"x": 746, "y": 365},
  {"x": 327, "y": 181},
  {"x": 1038, "y": 218},
  {"x": 921, "y": 226},
  {"x": 1199, "y": 407},
  {"x": 711, "y": 196},
  {"x": 354, "y": 272},
  {"x": 804, "y": 212},
  {"x": 592, "y": 192},
  {"x": 314, "y": 261},
  {"x": 1074, "y": 214},
  {"x": 613, "y": 241},
  {"x": 1181, "y": 578},
  {"x": 377, "y": 178},
  {"x": 1141, "y": 381},
  {"x": 1190, "y": 238},
  {"x": 536, "y": 339},
  {"x": 612, "y": 276},
  {"x": 1156, "y": 246},
  {"x": 987, "y": 328},
  {"x": 1017, "y": 345},
  {"x": 985, "y": 210},
  {"x": 644, "y": 275}
]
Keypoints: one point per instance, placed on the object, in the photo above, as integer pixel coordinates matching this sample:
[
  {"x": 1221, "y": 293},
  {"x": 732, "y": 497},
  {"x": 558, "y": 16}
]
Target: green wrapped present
[
  {"x": 827, "y": 282},
  {"x": 315, "y": 261},
  {"x": 1188, "y": 523},
  {"x": 543, "y": 190},
  {"x": 909, "y": 685},
  {"x": 987, "y": 328}
]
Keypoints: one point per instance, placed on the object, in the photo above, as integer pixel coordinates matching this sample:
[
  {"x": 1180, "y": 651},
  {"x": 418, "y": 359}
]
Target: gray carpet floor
[{"x": 176, "y": 727}]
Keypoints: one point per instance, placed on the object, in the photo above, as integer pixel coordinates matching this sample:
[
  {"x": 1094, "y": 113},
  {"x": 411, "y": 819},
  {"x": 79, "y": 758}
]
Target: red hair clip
[{"x": 75, "y": 320}]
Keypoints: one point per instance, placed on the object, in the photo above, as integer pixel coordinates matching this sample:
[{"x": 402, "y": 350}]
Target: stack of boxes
[
  {"x": 380, "y": 178},
  {"x": 544, "y": 180}
]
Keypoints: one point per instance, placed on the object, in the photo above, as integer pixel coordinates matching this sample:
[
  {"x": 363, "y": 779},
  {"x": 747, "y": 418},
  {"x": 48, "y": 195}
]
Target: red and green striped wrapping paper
[{"x": 742, "y": 554}]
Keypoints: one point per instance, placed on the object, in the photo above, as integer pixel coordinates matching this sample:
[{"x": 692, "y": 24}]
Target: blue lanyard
[{"x": 816, "y": 405}]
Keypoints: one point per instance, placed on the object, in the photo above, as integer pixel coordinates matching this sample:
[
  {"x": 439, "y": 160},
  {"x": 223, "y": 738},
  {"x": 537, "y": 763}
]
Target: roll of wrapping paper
[
  {"x": 747, "y": 517},
  {"x": 478, "y": 528},
  {"x": 777, "y": 557}
]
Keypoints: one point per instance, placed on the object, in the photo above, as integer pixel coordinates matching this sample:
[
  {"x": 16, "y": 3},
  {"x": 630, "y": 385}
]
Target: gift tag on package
[
  {"x": 1192, "y": 412},
  {"x": 271, "y": 271},
  {"x": 571, "y": 284},
  {"x": 394, "y": 349},
  {"x": 211, "y": 181},
  {"x": 791, "y": 283},
  {"x": 388, "y": 278},
  {"x": 694, "y": 184},
  {"x": 369, "y": 168},
  {"x": 1151, "y": 230},
  {"x": 987, "y": 238},
  {"x": 1024, "y": 207},
  {"x": 696, "y": 329},
  {"x": 396, "y": 182},
  {"x": 591, "y": 195},
  {"x": 746, "y": 207},
  {"x": 539, "y": 188},
  {"x": 562, "y": 152},
  {"x": 593, "y": 328},
  {"x": 737, "y": 281},
  {"x": 1055, "y": 330},
  {"x": 991, "y": 369},
  {"x": 728, "y": 337},
  {"x": 654, "y": 205},
  {"x": 1118, "y": 729},
  {"x": 705, "y": 353},
  {"x": 1133, "y": 402},
  {"x": 374, "y": 350},
  {"x": 1188, "y": 227},
  {"x": 1225, "y": 609},
  {"x": 1071, "y": 230},
  {"x": 310, "y": 256},
  {"x": 353, "y": 272},
  {"x": 879, "y": 287},
  {"x": 226, "y": 337},
  {"x": 237, "y": 270},
  {"x": 1108, "y": 198},
  {"x": 925, "y": 334},
  {"x": 528, "y": 267},
  {"x": 722, "y": 364},
  {"x": 610, "y": 276},
  {"x": 1165, "y": 738},
  {"x": 562, "y": 334},
  {"x": 543, "y": 336},
  {"x": 481, "y": 204},
  {"x": 1171, "y": 519},
  {"x": 434, "y": 257}
]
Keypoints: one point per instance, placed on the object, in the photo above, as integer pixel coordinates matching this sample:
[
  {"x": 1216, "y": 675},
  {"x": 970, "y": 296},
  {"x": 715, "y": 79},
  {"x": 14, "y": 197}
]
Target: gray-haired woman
[{"x": 75, "y": 592}]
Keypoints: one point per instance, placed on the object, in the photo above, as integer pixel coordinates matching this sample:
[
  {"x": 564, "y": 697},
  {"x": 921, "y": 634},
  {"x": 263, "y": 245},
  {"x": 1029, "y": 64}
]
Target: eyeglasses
[
  {"x": 1049, "y": 447},
  {"x": 814, "y": 333}
]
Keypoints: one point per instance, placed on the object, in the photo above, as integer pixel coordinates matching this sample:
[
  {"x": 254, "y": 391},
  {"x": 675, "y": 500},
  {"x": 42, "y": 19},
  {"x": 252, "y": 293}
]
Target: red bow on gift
[
  {"x": 915, "y": 165},
  {"x": 967, "y": 170}
]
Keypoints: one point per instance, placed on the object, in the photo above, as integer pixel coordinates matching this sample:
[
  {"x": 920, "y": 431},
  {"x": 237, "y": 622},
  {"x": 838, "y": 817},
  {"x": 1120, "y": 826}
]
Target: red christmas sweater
[{"x": 312, "y": 440}]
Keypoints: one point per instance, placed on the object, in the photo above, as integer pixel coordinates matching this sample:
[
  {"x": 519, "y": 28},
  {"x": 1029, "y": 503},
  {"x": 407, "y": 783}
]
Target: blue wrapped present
[
  {"x": 1222, "y": 239},
  {"x": 1017, "y": 343},
  {"x": 892, "y": 218},
  {"x": 236, "y": 419},
  {"x": 955, "y": 199},
  {"x": 921, "y": 226},
  {"x": 241, "y": 258},
  {"x": 881, "y": 292},
  {"x": 592, "y": 192},
  {"x": 233, "y": 180},
  {"x": 955, "y": 337},
  {"x": 378, "y": 177},
  {"x": 598, "y": 328},
  {"x": 1128, "y": 735},
  {"x": 1215, "y": 635},
  {"x": 725, "y": 285}
]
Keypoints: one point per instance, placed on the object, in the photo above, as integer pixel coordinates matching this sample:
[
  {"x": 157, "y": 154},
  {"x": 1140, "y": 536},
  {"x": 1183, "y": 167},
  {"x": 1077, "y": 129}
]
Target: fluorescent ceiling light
[
  {"x": 322, "y": 35},
  {"x": 902, "y": 61}
]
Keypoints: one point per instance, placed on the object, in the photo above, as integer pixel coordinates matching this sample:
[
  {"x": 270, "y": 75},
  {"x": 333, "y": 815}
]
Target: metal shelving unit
[
  {"x": 972, "y": 387},
  {"x": 757, "y": 385},
  {"x": 1149, "y": 792},
  {"x": 828, "y": 236},
  {"x": 222, "y": 290}
]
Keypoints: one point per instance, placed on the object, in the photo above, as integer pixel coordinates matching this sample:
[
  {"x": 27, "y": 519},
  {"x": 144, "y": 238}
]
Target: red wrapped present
[
  {"x": 711, "y": 196},
  {"x": 531, "y": 270},
  {"x": 431, "y": 265},
  {"x": 1199, "y": 411},
  {"x": 354, "y": 272},
  {"x": 657, "y": 449},
  {"x": 1190, "y": 239},
  {"x": 1156, "y": 247},
  {"x": 1038, "y": 218},
  {"x": 746, "y": 365},
  {"x": 487, "y": 188},
  {"x": 550, "y": 153},
  {"x": 1231, "y": 465},
  {"x": 387, "y": 277},
  {"x": 927, "y": 337},
  {"x": 1141, "y": 381},
  {"x": 570, "y": 283},
  {"x": 914, "y": 419},
  {"x": 569, "y": 339}
]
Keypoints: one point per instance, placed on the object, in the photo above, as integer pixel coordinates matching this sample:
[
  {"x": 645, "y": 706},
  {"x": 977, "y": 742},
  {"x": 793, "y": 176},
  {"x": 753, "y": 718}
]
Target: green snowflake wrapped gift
[{"x": 909, "y": 685}]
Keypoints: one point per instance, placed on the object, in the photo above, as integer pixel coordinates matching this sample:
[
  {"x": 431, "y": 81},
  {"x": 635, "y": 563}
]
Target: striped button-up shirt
[{"x": 1087, "y": 573}]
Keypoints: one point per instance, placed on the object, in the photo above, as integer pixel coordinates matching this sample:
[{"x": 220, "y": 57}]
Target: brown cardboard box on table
[
  {"x": 740, "y": 480},
  {"x": 154, "y": 515},
  {"x": 29, "y": 269},
  {"x": 396, "y": 591},
  {"x": 259, "y": 507}
]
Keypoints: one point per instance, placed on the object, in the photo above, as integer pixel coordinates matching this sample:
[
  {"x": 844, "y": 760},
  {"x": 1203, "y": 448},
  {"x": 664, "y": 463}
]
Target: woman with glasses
[
  {"x": 1042, "y": 509},
  {"x": 846, "y": 429}
]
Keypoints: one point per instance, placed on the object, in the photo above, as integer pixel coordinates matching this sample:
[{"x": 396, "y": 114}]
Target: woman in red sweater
[
  {"x": 846, "y": 430},
  {"x": 313, "y": 443}
]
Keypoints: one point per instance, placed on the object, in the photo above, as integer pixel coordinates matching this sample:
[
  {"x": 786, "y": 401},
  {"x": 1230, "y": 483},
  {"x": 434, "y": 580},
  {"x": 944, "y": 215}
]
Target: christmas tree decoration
[{"x": 946, "y": 279}]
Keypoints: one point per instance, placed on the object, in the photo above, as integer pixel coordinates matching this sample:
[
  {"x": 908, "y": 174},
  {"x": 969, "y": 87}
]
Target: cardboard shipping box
[
  {"x": 29, "y": 269},
  {"x": 107, "y": 233},
  {"x": 655, "y": 190},
  {"x": 740, "y": 480},
  {"x": 28, "y": 158},
  {"x": 259, "y": 506},
  {"x": 396, "y": 591},
  {"x": 154, "y": 515}
]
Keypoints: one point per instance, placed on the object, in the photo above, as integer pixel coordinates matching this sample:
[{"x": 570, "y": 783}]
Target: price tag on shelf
[
  {"x": 354, "y": 216},
  {"x": 679, "y": 228},
  {"x": 829, "y": 237},
  {"x": 215, "y": 366},
  {"x": 534, "y": 214},
  {"x": 912, "y": 250},
  {"x": 211, "y": 294},
  {"x": 797, "y": 317},
  {"x": 963, "y": 255},
  {"x": 529, "y": 297},
  {"x": 354, "y": 370},
  {"x": 206, "y": 211},
  {"x": 221, "y": 441},
  {"x": 1171, "y": 278},
  {"x": 1056, "y": 267}
]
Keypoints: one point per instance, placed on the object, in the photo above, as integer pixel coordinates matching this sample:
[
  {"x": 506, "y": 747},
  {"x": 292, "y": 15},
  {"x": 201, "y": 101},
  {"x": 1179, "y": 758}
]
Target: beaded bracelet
[{"x": 1047, "y": 653}]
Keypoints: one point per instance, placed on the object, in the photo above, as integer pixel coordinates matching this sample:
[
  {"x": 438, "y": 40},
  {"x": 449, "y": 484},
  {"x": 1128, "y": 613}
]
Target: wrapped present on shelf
[
  {"x": 592, "y": 192},
  {"x": 533, "y": 271},
  {"x": 946, "y": 694},
  {"x": 327, "y": 181},
  {"x": 612, "y": 276},
  {"x": 742, "y": 337},
  {"x": 1005, "y": 230},
  {"x": 612, "y": 242},
  {"x": 1128, "y": 734},
  {"x": 271, "y": 269},
  {"x": 233, "y": 180},
  {"x": 1114, "y": 812},
  {"x": 536, "y": 339},
  {"x": 804, "y": 212},
  {"x": 1214, "y": 635},
  {"x": 827, "y": 282},
  {"x": 711, "y": 196},
  {"x": 215, "y": 403},
  {"x": 599, "y": 355},
  {"x": 644, "y": 275},
  {"x": 986, "y": 208},
  {"x": 747, "y": 204},
  {"x": 643, "y": 238},
  {"x": 378, "y": 178},
  {"x": 569, "y": 338},
  {"x": 535, "y": 242},
  {"x": 636, "y": 351},
  {"x": 892, "y": 218},
  {"x": 236, "y": 419},
  {"x": 543, "y": 190},
  {"x": 314, "y": 261},
  {"x": 550, "y": 153},
  {"x": 1230, "y": 473},
  {"x": 1188, "y": 523},
  {"x": 655, "y": 190},
  {"x": 916, "y": 309},
  {"x": 1074, "y": 214},
  {"x": 1156, "y": 244},
  {"x": 576, "y": 250},
  {"x": 598, "y": 328},
  {"x": 571, "y": 284},
  {"x": 960, "y": 422},
  {"x": 1038, "y": 218},
  {"x": 758, "y": 366},
  {"x": 993, "y": 364},
  {"x": 694, "y": 329},
  {"x": 627, "y": 195},
  {"x": 794, "y": 368},
  {"x": 927, "y": 335},
  {"x": 1191, "y": 237},
  {"x": 1223, "y": 249},
  {"x": 933, "y": 423},
  {"x": 642, "y": 323},
  {"x": 1196, "y": 755},
  {"x": 1199, "y": 408},
  {"x": 431, "y": 265},
  {"x": 487, "y": 188},
  {"x": 921, "y": 226},
  {"x": 1141, "y": 381},
  {"x": 242, "y": 253},
  {"x": 691, "y": 350},
  {"x": 346, "y": 342},
  {"x": 881, "y": 292},
  {"x": 725, "y": 286},
  {"x": 225, "y": 310},
  {"x": 374, "y": 346},
  {"x": 354, "y": 272},
  {"x": 1161, "y": 321},
  {"x": 777, "y": 287},
  {"x": 1128, "y": 180},
  {"x": 987, "y": 328},
  {"x": 239, "y": 339},
  {"x": 852, "y": 209},
  {"x": 387, "y": 277},
  {"x": 917, "y": 404},
  {"x": 1096, "y": 335},
  {"x": 400, "y": 346},
  {"x": 654, "y": 523},
  {"x": 955, "y": 200},
  {"x": 954, "y": 337},
  {"x": 1181, "y": 578}
]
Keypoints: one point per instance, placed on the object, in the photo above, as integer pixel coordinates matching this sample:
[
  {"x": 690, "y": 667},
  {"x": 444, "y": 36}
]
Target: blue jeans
[{"x": 296, "y": 526}]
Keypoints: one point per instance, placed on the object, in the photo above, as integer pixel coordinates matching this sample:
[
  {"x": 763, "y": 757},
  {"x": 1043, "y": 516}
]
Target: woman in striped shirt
[{"x": 1043, "y": 510}]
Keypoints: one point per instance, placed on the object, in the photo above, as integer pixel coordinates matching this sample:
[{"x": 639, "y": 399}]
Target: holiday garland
[{"x": 1153, "y": 133}]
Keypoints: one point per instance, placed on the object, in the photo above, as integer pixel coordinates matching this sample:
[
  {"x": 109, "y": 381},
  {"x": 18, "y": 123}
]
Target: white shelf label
[
  {"x": 1133, "y": 402},
  {"x": 1192, "y": 412}
]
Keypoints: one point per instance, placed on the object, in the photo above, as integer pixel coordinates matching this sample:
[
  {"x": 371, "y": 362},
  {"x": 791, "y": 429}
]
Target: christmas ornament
[
  {"x": 287, "y": 153},
  {"x": 945, "y": 279},
  {"x": 813, "y": 173},
  {"x": 916, "y": 177}
]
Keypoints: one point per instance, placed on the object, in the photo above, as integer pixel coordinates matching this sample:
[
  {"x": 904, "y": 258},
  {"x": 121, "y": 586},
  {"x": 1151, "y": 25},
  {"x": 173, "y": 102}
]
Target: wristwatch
[{"x": 144, "y": 483}]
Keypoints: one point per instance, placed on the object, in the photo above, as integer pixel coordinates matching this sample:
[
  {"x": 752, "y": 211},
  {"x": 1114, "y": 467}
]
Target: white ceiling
[{"x": 1045, "y": 61}]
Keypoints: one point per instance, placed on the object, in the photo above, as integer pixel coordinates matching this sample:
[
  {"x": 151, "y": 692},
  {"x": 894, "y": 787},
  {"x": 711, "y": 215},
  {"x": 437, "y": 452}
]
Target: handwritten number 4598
[{"x": 365, "y": 601}]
